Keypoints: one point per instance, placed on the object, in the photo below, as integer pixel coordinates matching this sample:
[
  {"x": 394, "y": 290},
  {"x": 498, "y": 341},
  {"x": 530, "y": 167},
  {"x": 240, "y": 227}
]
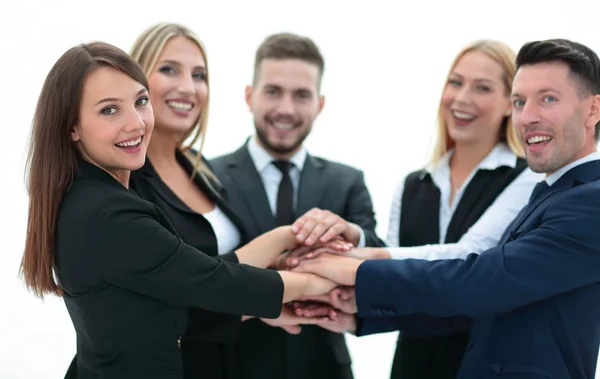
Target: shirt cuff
[
  {"x": 400, "y": 252},
  {"x": 362, "y": 241}
]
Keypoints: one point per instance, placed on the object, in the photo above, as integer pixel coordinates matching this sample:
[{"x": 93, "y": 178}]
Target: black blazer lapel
[
  {"x": 312, "y": 185},
  {"x": 247, "y": 179}
]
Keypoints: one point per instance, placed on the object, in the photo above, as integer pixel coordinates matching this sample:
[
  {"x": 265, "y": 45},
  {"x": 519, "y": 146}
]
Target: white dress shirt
[
  {"x": 271, "y": 176},
  {"x": 486, "y": 232},
  {"x": 551, "y": 179},
  {"x": 228, "y": 235}
]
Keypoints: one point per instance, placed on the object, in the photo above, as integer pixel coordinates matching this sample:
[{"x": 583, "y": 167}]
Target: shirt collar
[
  {"x": 501, "y": 155},
  {"x": 552, "y": 178},
  {"x": 262, "y": 158}
]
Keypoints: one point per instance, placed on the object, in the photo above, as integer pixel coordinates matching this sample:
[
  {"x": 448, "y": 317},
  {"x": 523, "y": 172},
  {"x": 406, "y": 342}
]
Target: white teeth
[
  {"x": 130, "y": 143},
  {"x": 279, "y": 125},
  {"x": 538, "y": 139},
  {"x": 463, "y": 116},
  {"x": 180, "y": 106}
]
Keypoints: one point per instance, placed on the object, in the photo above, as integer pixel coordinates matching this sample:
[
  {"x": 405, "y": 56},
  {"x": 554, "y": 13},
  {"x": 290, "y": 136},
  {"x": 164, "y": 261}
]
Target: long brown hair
[
  {"x": 146, "y": 50},
  {"x": 52, "y": 157}
]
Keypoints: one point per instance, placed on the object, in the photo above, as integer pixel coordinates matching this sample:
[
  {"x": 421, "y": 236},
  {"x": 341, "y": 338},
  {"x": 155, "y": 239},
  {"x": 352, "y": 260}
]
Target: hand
[
  {"x": 340, "y": 298},
  {"x": 337, "y": 321},
  {"x": 317, "y": 285},
  {"x": 290, "y": 322},
  {"x": 318, "y": 225},
  {"x": 294, "y": 257},
  {"x": 343, "y": 322},
  {"x": 340, "y": 269}
]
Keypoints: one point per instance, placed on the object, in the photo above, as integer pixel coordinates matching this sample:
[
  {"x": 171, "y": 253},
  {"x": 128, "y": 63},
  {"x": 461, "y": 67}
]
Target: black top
[{"x": 129, "y": 281}]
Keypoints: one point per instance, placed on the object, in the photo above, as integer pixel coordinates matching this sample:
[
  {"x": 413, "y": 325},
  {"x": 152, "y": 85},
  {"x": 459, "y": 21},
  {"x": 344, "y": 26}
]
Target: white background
[{"x": 385, "y": 67}]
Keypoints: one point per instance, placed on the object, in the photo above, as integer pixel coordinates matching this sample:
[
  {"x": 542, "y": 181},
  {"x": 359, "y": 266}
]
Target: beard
[{"x": 283, "y": 148}]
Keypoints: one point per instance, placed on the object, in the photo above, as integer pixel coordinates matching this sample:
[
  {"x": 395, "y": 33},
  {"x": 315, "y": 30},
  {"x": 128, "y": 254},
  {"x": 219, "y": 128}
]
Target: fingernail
[{"x": 295, "y": 229}]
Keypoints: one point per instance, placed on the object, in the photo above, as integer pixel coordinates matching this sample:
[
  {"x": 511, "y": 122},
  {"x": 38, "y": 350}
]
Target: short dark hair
[
  {"x": 288, "y": 46},
  {"x": 583, "y": 63}
]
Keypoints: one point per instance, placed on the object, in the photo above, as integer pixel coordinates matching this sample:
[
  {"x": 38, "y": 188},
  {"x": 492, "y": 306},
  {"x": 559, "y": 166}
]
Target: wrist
[
  {"x": 353, "y": 234},
  {"x": 381, "y": 253}
]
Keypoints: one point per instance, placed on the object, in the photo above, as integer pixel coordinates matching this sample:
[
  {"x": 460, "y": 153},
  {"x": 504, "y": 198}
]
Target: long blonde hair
[
  {"x": 146, "y": 50},
  {"x": 505, "y": 57}
]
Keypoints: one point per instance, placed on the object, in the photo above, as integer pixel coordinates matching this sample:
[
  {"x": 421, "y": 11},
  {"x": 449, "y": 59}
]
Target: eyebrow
[
  {"x": 476, "y": 79},
  {"x": 175, "y": 63},
  {"x": 117, "y": 100},
  {"x": 539, "y": 92}
]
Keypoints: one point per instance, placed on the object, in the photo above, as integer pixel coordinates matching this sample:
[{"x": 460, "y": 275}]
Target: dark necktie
[
  {"x": 535, "y": 194},
  {"x": 285, "y": 194},
  {"x": 537, "y": 190}
]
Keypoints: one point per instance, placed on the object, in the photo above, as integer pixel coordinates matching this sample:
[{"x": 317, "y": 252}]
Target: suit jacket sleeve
[
  {"x": 134, "y": 251},
  {"x": 360, "y": 211},
  {"x": 559, "y": 255},
  {"x": 414, "y": 325}
]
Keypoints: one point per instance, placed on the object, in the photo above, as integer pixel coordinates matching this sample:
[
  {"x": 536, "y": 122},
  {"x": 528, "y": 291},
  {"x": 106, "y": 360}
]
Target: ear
[
  {"x": 248, "y": 95},
  {"x": 321, "y": 103},
  {"x": 75, "y": 134},
  {"x": 594, "y": 115}
]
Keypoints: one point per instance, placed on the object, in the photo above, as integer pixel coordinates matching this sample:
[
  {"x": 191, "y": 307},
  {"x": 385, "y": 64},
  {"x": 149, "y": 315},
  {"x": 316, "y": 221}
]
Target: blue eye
[
  {"x": 199, "y": 76},
  {"x": 518, "y": 103},
  {"x": 549, "y": 99},
  {"x": 454, "y": 83}
]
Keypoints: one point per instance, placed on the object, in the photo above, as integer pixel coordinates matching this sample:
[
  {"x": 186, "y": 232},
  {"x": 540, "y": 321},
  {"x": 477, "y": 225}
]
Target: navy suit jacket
[{"x": 531, "y": 304}]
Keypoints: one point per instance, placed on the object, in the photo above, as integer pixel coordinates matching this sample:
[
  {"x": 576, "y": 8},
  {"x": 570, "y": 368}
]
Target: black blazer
[
  {"x": 208, "y": 343},
  {"x": 129, "y": 281},
  {"x": 271, "y": 353}
]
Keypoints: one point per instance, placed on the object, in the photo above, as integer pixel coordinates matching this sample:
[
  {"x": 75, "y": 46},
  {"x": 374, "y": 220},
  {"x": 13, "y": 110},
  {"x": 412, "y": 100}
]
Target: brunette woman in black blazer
[{"x": 127, "y": 279}]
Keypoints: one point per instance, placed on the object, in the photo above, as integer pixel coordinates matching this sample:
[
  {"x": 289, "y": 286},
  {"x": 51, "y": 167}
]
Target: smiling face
[
  {"x": 475, "y": 100},
  {"x": 178, "y": 88},
  {"x": 115, "y": 122},
  {"x": 285, "y": 102},
  {"x": 555, "y": 120}
]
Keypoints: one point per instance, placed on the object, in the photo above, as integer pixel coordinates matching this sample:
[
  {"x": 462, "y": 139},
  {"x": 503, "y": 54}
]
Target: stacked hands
[{"x": 323, "y": 246}]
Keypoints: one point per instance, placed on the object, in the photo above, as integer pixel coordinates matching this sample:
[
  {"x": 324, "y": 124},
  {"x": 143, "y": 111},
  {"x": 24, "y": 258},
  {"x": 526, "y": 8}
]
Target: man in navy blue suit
[{"x": 531, "y": 304}]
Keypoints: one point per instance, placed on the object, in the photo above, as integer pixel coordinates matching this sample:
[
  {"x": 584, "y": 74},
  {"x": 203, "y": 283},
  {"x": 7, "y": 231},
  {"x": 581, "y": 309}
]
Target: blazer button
[{"x": 179, "y": 342}]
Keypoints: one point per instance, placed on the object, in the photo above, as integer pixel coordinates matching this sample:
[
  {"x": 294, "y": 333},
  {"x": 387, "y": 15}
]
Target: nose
[
  {"x": 285, "y": 105},
  {"x": 133, "y": 121},
  {"x": 186, "y": 84},
  {"x": 529, "y": 114},
  {"x": 464, "y": 95}
]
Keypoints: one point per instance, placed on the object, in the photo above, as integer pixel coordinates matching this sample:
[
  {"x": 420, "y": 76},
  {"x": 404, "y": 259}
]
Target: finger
[
  {"x": 316, "y": 252},
  {"x": 295, "y": 256},
  {"x": 321, "y": 227},
  {"x": 299, "y": 223},
  {"x": 336, "y": 229},
  {"x": 319, "y": 311},
  {"x": 346, "y": 293},
  {"x": 311, "y": 223},
  {"x": 324, "y": 298}
]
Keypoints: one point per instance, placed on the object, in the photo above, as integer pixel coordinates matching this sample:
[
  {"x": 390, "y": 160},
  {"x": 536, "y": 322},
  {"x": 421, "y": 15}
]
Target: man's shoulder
[
  {"x": 221, "y": 162},
  {"x": 334, "y": 166}
]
